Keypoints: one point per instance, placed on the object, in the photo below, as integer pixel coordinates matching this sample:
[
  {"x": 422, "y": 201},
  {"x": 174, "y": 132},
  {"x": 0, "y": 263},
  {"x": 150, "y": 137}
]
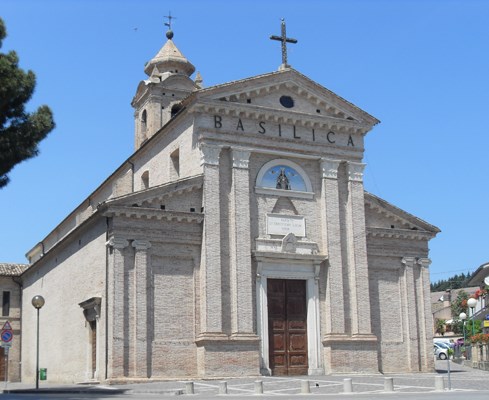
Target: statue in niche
[{"x": 283, "y": 181}]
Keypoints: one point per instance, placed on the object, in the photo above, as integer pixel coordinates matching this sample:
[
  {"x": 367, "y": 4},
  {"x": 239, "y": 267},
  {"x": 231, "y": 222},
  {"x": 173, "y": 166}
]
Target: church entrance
[{"x": 287, "y": 326}]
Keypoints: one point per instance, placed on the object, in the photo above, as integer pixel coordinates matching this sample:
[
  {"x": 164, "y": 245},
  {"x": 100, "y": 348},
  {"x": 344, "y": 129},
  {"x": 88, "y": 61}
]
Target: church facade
[{"x": 236, "y": 240}]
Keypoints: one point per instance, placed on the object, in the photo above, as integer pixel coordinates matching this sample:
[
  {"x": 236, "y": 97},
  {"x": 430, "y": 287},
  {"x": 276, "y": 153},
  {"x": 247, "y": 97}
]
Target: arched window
[
  {"x": 144, "y": 122},
  {"x": 285, "y": 178}
]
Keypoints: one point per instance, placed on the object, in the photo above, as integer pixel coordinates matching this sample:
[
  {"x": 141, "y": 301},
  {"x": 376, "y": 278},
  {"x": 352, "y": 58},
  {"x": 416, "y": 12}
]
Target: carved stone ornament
[
  {"x": 355, "y": 171},
  {"x": 118, "y": 242},
  {"x": 209, "y": 155},
  {"x": 289, "y": 243},
  {"x": 241, "y": 158},
  {"x": 424, "y": 262},
  {"x": 329, "y": 168},
  {"x": 408, "y": 261},
  {"x": 141, "y": 244}
]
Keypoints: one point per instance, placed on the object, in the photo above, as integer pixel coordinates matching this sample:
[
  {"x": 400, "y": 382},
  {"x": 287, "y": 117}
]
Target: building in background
[{"x": 11, "y": 292}]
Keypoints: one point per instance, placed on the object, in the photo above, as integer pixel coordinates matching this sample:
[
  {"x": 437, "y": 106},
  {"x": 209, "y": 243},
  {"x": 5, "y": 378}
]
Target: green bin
[{"x": 43, "y": 374}]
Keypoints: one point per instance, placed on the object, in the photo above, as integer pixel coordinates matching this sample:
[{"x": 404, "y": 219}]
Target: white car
[{"x": 441, "y": 353}]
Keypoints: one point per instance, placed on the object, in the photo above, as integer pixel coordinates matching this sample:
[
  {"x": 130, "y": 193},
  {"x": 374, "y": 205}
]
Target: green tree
[
  {"x": 459, "y": 305},
  {"x": 20, "y": 131},
  {"x": 440, "y": 326}
]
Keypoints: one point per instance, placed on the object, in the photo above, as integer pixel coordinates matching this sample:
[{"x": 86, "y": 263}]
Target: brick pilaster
[
  {"x": 410, "y": 313},
  {"x": 335, "y": 307},
  {"x": 142, "y": 292},
  {"x": 357, "y": 252},
  {"x": 116, "y": 307},
  {"x": 241, "y": 279},
  {"x": 210, "y": 278}
]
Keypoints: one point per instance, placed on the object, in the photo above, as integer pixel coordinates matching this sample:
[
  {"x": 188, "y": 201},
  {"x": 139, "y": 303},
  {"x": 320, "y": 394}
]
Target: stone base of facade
[
  {"x": 350, "y": 354},
  {"x": 228, "y": 356}
]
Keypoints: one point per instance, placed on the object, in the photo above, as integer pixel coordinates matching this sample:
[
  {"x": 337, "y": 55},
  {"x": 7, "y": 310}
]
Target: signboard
[
  {"x": 6, "y": 335},
  {"x": 486, "y": 324},
  {"x": 278, "y": 224}
]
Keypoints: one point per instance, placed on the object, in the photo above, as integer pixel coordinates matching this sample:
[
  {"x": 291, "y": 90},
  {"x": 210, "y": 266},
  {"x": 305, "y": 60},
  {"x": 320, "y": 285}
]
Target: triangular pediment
[
  {"x": 288, "y": 94},
  {"x": 383, "y": 216}
]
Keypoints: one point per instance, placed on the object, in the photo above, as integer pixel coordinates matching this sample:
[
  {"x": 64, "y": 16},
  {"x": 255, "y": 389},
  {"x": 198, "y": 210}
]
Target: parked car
[
  {"x": 441, "y": 353},
  {"x": 443, "y": 344}
]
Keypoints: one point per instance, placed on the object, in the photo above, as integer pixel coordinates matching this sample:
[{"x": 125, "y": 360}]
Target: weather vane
[
  {"x": 284, "y": 39},
  {"x": 169, "y": 33}
]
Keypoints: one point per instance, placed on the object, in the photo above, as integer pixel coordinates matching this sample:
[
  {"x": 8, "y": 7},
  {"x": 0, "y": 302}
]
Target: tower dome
[{"x": 169, "y": 60}]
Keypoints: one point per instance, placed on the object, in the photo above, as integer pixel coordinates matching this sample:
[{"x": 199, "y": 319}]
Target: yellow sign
[{"x": 486, "y": 324}]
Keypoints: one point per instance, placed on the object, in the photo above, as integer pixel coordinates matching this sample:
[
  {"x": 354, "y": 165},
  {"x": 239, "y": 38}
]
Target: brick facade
[{"x": 178, "y": 244}]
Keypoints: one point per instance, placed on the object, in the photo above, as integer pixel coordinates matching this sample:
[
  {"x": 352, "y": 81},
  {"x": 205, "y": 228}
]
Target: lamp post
[
  {"x": 37, "y": 302},
  {"x": 472, "y": 303},
  {"x": 463, "y": 317}
]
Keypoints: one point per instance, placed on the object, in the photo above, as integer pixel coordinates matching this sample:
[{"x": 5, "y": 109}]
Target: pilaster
[
  {"x": 116, "y": 307},
  {"x": 425, "y": 318},
  {"x": 357, "y": 252},
  {"x": 210, "y": 279},
  {"x": 335, "y": 307},
  {"x": 141, "y": 346},
  {"x": 409, "y": 314},
  {"x": 241, "y": 279}
]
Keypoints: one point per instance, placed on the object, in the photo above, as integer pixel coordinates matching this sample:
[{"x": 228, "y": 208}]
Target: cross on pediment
[{"x": 284, "y": 39}]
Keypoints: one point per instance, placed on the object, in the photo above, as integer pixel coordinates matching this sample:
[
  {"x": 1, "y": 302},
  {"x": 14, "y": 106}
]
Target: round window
[{"x": 287, "y": 101}]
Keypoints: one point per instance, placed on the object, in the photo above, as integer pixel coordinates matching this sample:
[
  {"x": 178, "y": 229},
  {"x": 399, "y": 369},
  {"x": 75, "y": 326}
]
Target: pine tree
[{"x": 20, "y": 131}]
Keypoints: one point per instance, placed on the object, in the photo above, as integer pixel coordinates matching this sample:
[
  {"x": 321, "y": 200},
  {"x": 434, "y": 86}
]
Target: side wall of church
[
  {"x": 69, "y": 274},
  {"x": 173, "y": 156},
  {"x": 400, "y": 303},
  {"x": 157, "y": 320}
]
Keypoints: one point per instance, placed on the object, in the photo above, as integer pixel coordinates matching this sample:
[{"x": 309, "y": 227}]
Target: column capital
[
  {"x": 408, "y": 261},
  {"x": 424, "y": 262},
  {"x": 141, "y": 244},
  {"x": 117, "y": 243},
  {"x": 355, "y": 171},
  {"x": 209, "y": 155},
  {"x": 241, "y": 158},
  {"x": 329, "y": 168}
]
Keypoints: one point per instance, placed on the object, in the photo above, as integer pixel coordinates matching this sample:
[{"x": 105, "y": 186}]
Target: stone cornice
[
  {"x": 153, "y": 213},
  {"x": 399, "y": 233},
  {"x": 255, "y": 112},
  {"x": 157, "y": 194}
]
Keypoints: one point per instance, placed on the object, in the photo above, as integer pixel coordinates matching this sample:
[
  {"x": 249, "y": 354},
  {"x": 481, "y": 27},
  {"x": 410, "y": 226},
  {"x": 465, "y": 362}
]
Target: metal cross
[
  {"x": 168, "y": 24},
  {"x": 284, "y": 39}
]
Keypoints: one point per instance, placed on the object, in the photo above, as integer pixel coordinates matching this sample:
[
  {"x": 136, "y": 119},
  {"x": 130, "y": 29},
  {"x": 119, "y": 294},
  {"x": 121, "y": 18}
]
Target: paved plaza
[{"x": 462, "y": 380}]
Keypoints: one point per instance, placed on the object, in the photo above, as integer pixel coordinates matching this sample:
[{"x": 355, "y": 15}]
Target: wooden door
[
  {"x": 3, "y": 370},
  {"x": 93, "y": 340},
  {"x": 287, "y": 326}
]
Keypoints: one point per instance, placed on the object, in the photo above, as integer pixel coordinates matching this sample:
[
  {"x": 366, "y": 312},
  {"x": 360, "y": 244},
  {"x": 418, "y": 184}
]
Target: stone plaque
[{"x": 278, "y": 224}]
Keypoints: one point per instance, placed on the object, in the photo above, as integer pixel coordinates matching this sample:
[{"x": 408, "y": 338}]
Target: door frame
[{"x": 288, "y": 269}]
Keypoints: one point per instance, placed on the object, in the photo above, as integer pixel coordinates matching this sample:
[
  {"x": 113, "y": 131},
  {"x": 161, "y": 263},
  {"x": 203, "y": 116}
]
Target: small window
[
  {"x": 144, "y": 119},
  {"x": 287, "y": 101},
  {"x": 6, "y": 304},
  {"x": 175, "y": 109}
]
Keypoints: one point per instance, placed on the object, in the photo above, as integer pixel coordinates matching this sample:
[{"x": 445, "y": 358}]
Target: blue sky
[{"x": 421, "y": 67}]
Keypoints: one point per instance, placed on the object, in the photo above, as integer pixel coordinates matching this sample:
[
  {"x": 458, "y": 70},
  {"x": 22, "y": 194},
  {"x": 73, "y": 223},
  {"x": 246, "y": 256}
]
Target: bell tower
[{"x": 158, "y": 98}]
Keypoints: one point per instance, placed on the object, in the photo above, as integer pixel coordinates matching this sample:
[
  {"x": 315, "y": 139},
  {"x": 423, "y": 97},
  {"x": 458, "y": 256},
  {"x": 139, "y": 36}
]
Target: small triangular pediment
[
  {"x": 379, "y": 214},
  {"x": 288, "y": 92},
  {"x": 284, "y": 206}
]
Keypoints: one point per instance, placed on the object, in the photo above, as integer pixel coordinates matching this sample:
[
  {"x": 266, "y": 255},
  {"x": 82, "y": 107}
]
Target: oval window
[{"x": 287, "y": 101}]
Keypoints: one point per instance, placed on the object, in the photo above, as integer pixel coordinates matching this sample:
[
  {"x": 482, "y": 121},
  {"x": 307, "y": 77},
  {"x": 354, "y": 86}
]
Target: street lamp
[
  {"x": 472, "y": 303},
  {"x": 37, "y": 302},
  {"x": 463, "y": 317}
]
